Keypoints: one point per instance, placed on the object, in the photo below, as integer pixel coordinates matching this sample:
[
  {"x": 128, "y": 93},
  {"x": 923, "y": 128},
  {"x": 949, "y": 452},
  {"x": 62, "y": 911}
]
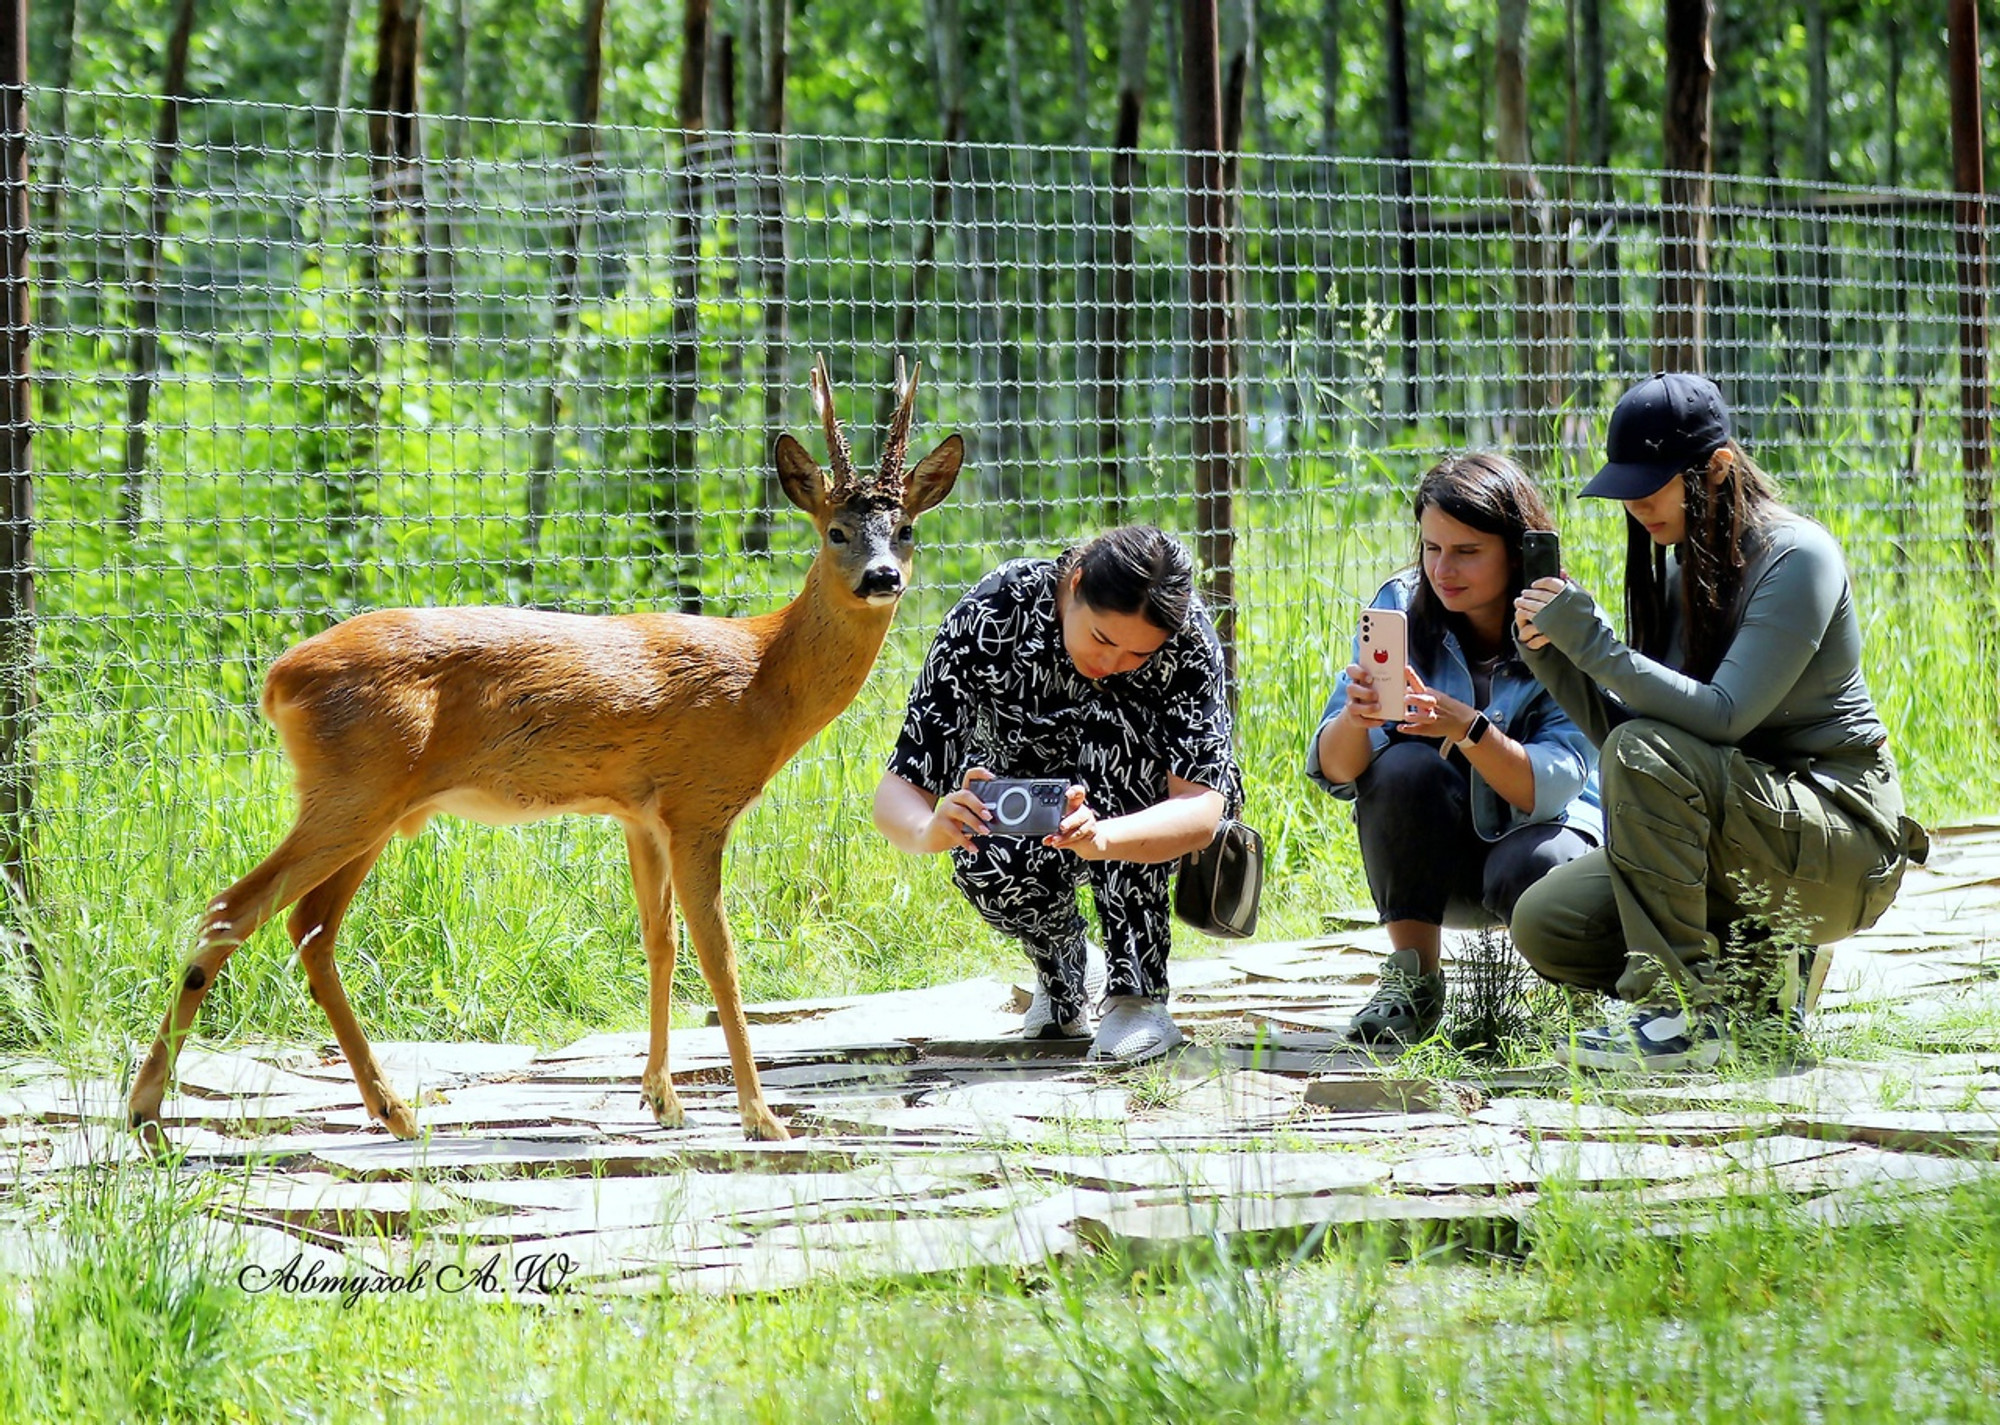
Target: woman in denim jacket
[{"x": 1486, "y": 785}]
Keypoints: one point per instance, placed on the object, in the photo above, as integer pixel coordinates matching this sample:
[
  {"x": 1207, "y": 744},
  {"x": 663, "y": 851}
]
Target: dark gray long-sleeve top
[{"x": 1789, "y": 689}]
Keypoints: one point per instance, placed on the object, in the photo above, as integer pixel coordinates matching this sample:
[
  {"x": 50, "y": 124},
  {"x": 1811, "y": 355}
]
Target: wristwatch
[{"x": 1475, "y": 730}]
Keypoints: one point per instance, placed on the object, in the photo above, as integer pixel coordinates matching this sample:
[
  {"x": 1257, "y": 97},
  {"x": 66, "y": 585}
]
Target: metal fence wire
[{"x": 297, "y": 385}]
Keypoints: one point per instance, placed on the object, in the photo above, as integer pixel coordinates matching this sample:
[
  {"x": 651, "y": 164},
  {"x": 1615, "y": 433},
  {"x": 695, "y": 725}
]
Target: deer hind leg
[
  {"x": 303, "y": 859},
  {"x": 697, "y": 863},
  {"x": 651, "y": 883},
  {"x": 314, "y": 923}
]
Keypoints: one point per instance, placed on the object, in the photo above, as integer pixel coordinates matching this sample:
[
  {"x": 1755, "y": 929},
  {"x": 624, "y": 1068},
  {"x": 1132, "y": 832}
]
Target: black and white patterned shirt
[{"x": 998, "y": 690}]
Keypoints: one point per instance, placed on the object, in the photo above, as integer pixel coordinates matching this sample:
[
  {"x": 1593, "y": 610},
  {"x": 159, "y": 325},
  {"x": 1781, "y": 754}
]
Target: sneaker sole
[
  {"x": 1159, "y": 1051},
  {"x": 1702, "y": 1056},
  {"x": 1379, "y": 1037}
]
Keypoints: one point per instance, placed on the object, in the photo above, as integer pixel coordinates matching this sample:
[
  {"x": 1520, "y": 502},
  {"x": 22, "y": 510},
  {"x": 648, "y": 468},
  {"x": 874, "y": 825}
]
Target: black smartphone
[
  {"x": 1025, "y": 807},
  {"x": 1541, "y": 556}
]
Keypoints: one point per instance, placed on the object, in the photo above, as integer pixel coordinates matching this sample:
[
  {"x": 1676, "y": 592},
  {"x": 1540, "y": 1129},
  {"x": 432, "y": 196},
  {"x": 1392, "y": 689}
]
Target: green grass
[
  {"x": 1607, "y": 1309},
  {"x": 159, "y": 785}
]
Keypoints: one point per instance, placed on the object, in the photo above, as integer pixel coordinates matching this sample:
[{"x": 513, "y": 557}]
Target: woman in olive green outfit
[{"x": 1744, "y": 768}]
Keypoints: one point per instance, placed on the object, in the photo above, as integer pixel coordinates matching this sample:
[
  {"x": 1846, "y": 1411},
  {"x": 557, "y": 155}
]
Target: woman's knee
[
  {"x": 1566, "y": 925},
  {"x": 1408, "y": 780},
  {"x": 1646, "y": 747}
]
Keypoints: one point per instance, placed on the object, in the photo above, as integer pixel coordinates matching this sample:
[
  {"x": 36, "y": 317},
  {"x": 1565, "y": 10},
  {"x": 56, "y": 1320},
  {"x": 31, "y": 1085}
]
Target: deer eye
[
  {"x": 906, "y": 534},
  {"x": 836, "y": 535}
]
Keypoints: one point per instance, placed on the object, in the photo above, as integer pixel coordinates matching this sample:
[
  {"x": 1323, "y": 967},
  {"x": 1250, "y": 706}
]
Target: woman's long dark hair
[
  {"x": 1134, "y": 569},
  {"x": 1491, "y": 494},
  {"x": 1711, "y": 561}
]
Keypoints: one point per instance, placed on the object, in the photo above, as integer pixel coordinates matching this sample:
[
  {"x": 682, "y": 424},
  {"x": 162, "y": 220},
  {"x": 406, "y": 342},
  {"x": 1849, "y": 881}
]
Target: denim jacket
[{"x": 1564, "y": 761}]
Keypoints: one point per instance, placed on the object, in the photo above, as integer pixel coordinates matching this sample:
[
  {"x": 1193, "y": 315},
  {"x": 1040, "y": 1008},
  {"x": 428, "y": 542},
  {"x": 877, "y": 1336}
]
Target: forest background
[{"x": 343, "y": 305}]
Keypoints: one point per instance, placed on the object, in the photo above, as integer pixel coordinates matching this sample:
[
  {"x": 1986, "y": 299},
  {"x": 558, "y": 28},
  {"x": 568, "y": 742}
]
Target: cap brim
[{"x": 1619, "y": 481}]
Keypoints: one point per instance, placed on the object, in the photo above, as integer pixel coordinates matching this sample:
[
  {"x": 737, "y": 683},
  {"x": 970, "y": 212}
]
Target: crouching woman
[
  {"x": 1472, "y": 783},
  {"x": 1745, "y": 771}
]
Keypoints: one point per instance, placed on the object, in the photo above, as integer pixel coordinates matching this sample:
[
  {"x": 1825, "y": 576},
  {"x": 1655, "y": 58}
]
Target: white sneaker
[
  {"x": 1039, "y": 1022},
  {"x": 1134, "y": 1030}
]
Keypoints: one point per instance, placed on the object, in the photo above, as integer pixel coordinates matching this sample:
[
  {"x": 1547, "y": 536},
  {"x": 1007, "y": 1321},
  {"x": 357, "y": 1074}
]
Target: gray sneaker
[
  {"x": 1040, "y": 1022},
  {"x": 1407, "y": 1005},
  {"x": 1134, "y": 1030}
]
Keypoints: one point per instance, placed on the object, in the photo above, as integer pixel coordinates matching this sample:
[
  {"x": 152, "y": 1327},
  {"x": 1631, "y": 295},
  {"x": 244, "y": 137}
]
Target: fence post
[
  {"x": 1208, "y": 325},
  {"x": 17, "y": 483},
  {"x": 1975, "y": 399}
]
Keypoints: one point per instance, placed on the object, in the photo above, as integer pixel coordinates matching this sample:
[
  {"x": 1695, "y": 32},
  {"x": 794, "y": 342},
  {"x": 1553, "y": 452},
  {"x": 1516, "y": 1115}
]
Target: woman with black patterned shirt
[{"x": 1100, "y": 668}]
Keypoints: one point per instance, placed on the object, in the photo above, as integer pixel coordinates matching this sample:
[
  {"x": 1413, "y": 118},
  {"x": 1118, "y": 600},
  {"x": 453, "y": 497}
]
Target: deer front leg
[
  {"x": 656, "y": 932},
  {"x": 314, "y": 923},
  {"x": 697, "y": 867}
]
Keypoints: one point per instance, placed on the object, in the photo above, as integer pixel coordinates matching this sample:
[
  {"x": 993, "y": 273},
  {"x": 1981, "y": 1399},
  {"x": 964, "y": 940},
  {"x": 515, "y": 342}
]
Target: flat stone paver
[{"x": 929, "y": 1137}]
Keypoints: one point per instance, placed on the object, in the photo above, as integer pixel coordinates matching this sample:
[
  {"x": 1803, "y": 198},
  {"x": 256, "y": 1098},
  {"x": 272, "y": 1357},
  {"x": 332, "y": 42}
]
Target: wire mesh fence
[{"x": 547, "y": 367}]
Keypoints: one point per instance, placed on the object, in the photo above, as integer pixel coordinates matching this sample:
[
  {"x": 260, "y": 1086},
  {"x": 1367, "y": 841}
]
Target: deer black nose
[{"x": 881, "y": 579}]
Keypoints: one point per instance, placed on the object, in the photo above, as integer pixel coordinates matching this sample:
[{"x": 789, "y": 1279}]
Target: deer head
[{"x": 865, "y": 519}]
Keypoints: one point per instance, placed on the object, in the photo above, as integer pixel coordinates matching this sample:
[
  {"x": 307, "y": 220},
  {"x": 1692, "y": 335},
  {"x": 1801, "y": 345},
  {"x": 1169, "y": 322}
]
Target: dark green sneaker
[{"x": 1407, "y": 1005}]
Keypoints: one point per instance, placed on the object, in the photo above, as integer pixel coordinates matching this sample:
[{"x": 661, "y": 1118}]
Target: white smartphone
[{"x": 1385, "y": 654}]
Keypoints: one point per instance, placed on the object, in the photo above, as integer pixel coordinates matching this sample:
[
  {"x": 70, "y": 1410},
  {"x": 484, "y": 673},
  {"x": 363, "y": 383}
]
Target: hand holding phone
[{"x": 1385, "y": 657}]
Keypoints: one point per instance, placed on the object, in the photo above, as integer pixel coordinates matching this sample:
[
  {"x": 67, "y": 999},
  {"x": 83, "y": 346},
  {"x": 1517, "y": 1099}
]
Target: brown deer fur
[{"x": 671, "y": 723}]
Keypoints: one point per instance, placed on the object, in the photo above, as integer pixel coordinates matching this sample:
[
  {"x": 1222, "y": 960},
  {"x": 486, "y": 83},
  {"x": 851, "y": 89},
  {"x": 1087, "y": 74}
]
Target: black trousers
[
  {"x": 1423, "y": 859},
  {"x": 1028, "y": 891}
]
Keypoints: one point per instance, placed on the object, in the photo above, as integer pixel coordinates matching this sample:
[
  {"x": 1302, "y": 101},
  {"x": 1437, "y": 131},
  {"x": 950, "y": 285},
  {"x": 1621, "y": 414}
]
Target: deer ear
[
  {"x": 799, "y": 473},
  {"x": 934, "y": 475}
]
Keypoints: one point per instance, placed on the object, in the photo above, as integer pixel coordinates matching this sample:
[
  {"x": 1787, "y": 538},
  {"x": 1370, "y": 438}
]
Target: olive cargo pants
[{"x": 1697, "y": 837}]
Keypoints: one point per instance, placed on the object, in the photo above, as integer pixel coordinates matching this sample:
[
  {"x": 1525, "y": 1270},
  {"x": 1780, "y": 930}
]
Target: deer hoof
[
  {"x": 397, "y": 1118},
  {"x": 758, "y": 1124},
  {"x": 152, "y": 1138},
  {"x": 666, "y": 1106}
]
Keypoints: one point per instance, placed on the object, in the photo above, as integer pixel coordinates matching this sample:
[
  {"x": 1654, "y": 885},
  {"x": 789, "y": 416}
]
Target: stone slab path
[{"x": 930, "y": 1138}]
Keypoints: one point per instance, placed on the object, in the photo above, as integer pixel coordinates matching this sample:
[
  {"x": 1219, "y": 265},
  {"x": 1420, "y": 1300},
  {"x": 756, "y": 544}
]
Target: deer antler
[
  {"x": 896, "y": 444},
  {"x": 837, "y": 454}
]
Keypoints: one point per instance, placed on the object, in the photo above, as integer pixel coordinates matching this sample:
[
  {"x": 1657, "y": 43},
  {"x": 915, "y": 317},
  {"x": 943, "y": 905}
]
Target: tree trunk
[
  {"x": 579, "y": 208},
  {"x": 1681, "y": 340},
  {"x": 1975, "y": 397},
  {"x": 145, "y": 345},
  {"x": 395, "y": 150},
  {"x": 1114, "y": 319},
  {"x": 773, "y": 276},
  {"x": 1597, "y": 124},
  {"x": 676, "y": 484},
  {"x": 1818, "y": 256},
  {"x": 1396, "y": 132},
  {"x": 1079, "y": 72},
  {"x": 1017, "y": 114},
  {"x": 61, "y": 65},
  {"x": 1020, "y": 445},
  {"x": 1238, "y": 28},
  {"x": 977, "y": 280},
  {"x": 1330, "y": 63},
  {"x": 1539, "y": 340},
  {"x": 726, "y": 191},
  {"x": 1208, "y": 326},
  {"x": 18, "y": 637},
  {"x": 441, "y": 309},
  {"x": 50, "y": 182},
  {"x": 1899, "y": 243},
  {"x": 332, "y": 89}
]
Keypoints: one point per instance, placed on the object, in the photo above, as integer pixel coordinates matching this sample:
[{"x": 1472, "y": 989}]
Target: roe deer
[{"x": 672, "y": 723}]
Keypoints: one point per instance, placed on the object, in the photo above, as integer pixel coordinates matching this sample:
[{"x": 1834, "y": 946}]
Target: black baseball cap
[{"x": 1662, "y": 427}]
